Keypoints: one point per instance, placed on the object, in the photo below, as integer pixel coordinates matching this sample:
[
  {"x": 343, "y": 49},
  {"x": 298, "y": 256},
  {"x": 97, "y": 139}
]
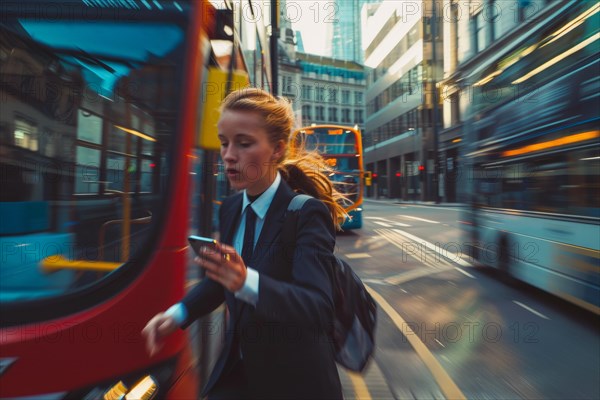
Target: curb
[{"x": 415, "y": 203}]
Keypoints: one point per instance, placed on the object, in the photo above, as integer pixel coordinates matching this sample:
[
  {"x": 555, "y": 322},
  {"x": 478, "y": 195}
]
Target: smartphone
[{"x": 197, "y": 242}]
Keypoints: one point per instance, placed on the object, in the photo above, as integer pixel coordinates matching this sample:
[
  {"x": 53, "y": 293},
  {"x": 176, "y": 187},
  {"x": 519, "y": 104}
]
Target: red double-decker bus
[{"x": 107, "y": 164}]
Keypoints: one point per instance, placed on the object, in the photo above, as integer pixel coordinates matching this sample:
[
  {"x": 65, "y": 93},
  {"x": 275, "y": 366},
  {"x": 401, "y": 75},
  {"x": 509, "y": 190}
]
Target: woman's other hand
[{"x": 160, "y": 326}]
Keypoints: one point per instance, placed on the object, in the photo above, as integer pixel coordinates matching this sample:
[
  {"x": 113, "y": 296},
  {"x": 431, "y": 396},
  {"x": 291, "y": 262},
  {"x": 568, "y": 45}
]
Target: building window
[
  {"x": 333, "y": 117},
  {"x": 333, "y": 96},
  {"x": 320, "y": 113},
  {"x": 345, "y": 97},
  {"x": 454, "y": 109},
  {"x": 426, "y": 28},
  {"x": 321, "y": 94},
  {"x": 483, "y": 18},
  {"x": 346, "y": 115},
  {"x": 412, "y": 119},
  {"x": 480, "y": 29},
  {"x": 307, "y": 92},
  {"x": 288, "y": 86},
  {"x": 524, "y": 12},
  {"x": 493, "y": 11},
  {"x": 358, "y": 116},
  {"x": 306, "y": 112},
  {"x": 454, "y": 42},
  {"x": 358, "y": 98}
]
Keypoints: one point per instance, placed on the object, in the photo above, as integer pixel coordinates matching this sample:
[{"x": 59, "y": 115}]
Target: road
[{"x": 449, "y": 329}]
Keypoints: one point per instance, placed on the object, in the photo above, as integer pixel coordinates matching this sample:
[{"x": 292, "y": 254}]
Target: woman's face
[{"x": 250, "y": 158}]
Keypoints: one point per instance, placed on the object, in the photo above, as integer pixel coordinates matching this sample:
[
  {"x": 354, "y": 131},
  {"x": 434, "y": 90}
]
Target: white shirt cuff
[
  {"x": 178, "y": 312},
  {"x": 249, "y": 292}
]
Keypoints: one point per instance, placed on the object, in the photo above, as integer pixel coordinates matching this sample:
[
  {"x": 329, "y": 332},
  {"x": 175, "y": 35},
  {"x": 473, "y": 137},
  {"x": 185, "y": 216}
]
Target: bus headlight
[{"x": 145, "y": 389}]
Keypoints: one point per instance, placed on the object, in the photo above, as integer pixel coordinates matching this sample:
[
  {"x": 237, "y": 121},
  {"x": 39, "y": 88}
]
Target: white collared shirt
[{"x": 260, "y": 206}]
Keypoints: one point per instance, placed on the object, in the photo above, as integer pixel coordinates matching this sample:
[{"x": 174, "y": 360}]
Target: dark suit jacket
[{"x": 285, "y": 340}]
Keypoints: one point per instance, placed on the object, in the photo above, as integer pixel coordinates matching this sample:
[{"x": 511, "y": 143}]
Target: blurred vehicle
[
  {"x": 341, "y": 146},
  {"x": 108, "y": 157},
  {"x": 535, "y": 156}
]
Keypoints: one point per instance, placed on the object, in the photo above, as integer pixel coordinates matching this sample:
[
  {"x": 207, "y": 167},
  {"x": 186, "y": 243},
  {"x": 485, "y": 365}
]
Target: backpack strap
[
  {"x": 288, "y": 234},
  {"x": 297, "y": 202}
]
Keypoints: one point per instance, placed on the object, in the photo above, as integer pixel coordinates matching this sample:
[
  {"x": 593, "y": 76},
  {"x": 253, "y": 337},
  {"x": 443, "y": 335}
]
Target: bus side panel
[
  {"x": 186, "y": 384},
  {"x": 552, "y": 264},
  {"x": 556, "y": 265},
  {"x": 106, "y": 337}
]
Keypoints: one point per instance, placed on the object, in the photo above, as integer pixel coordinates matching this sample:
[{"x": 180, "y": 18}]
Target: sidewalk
[
  {"x": 412, "y": 202},
  {"x": 370, "y": 385}
]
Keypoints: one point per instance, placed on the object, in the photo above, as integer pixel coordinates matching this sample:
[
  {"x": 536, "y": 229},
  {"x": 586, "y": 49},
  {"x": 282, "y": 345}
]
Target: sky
[{"x": 311, "y": 17}]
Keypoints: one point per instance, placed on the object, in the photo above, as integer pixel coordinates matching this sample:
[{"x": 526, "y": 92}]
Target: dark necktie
[{"x": 248, "y": 247}]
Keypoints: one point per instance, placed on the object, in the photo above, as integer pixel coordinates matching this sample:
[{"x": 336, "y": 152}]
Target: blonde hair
[{"x": 305, "y": 171}]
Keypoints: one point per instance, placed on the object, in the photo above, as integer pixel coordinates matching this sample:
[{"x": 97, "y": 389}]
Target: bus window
[
  {"x": 85, "y": 125},
  {"x": 583, "y": 185},
  {"x": 548, "y": 181}
]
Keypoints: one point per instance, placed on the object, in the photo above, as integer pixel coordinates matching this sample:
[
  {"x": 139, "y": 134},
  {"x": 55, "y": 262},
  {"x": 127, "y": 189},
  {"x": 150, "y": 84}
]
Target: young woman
[{"x": 280, "y": 306}]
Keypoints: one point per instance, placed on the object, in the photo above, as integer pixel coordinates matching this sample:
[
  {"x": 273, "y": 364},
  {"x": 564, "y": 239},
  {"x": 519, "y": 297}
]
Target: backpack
[{"x": 355, "y": 311}]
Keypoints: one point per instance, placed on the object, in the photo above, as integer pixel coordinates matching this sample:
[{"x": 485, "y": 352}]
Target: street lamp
[
  {"x": 273, "y": 46},
  {"x": 434, "y": 111},
  {"x": 374, "y": 138}
]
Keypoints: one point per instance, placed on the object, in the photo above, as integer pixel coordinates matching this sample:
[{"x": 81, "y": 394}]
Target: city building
[
  {"x": 290, "y": 73},
  {"x": 332, "y": 91},
  {"x": 299, "y": 41},
  {"x": 402, "y": 119},
  {"x": 323, "y": 90},
  {"x": 345, "y": 20}
]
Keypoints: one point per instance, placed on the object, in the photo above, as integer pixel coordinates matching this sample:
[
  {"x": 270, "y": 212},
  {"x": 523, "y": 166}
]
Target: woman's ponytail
[{"x": 308, "y": 172}]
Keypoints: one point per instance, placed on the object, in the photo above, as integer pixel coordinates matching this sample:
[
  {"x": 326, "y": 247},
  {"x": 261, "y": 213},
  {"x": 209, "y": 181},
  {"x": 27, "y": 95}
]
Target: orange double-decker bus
[{"x": 341, "y": 146}]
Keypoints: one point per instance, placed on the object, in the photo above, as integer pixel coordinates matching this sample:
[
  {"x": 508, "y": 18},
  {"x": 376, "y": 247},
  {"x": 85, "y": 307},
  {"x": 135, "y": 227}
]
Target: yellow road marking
[
  {"x": 447, "y": 385},
  {"x": 357, "y": 255},
  {"x": 360, "y": 387}
]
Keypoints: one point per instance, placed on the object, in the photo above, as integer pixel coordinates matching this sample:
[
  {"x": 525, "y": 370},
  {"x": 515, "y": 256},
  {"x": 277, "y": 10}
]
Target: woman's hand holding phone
[{"x": 220, "y": 261}]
